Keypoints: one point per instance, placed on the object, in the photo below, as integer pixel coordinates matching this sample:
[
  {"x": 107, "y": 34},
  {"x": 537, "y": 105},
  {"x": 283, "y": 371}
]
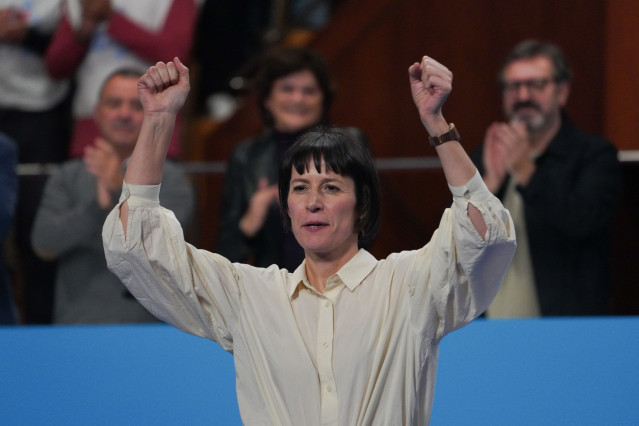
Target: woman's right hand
[{"x": 164, "y": 87}]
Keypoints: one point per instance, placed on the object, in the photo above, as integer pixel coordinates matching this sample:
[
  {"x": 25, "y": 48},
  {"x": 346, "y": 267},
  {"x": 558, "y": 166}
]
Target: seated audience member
[
  {"x": 294, "y": 94},
  {"x": 8, "y": 195},
  {"x": 560, "y": 185},
  {"x": 96, "y": 37},
  {"x": 77, "y": 200},
  {"x": 34, "y": 113}
]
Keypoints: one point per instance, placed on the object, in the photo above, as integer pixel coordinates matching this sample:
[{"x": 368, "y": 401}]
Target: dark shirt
[
  {"x": 251, "y": 160},
  {"x": 569, "y": 204}
]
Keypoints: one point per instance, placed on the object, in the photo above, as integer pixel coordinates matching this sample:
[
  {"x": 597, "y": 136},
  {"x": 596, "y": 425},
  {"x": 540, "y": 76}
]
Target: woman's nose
[{"x": 314, "y": 203}]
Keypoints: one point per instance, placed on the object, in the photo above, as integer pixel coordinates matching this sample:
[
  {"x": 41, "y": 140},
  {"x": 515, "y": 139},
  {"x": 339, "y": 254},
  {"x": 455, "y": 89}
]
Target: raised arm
[
  {"x": 163, "y": 90},
  {"x": 431, "y": 83}
]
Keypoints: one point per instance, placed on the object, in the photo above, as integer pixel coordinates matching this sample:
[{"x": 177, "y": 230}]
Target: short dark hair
[
  {"x": 281, "y": 61},
  {"x": 532, "y": 48},
  {"x": 120, "y": 72},
  {"x": 342, "y": 154}
]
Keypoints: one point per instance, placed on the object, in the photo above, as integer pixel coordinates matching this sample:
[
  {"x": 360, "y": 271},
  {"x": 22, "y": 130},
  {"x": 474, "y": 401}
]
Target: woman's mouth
[{"x": 314, "y": 225}]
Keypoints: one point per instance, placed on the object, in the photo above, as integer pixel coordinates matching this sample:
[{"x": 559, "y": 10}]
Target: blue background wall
[{"x": 493, "y": 372}]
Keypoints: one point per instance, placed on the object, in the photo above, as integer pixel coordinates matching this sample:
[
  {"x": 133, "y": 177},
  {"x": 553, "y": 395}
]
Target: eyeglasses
[{"x": 534, "y": 85}]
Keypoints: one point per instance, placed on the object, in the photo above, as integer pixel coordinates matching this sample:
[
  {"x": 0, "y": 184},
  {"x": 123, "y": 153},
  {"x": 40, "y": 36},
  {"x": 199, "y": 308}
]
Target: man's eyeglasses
[{"x": 534, "y": 85}]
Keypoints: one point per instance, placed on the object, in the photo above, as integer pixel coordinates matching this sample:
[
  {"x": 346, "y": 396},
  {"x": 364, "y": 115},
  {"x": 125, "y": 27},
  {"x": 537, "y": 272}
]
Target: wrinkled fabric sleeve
[
  {"x": 457, "y": 274},
  {"x": 193, "y": 290}
]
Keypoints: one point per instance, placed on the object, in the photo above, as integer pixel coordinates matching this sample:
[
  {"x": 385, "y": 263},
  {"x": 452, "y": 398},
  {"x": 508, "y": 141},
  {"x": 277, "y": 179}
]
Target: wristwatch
[{"x": 451, "y": 135}]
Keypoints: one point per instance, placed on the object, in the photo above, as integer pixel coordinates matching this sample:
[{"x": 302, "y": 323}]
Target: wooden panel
[{"x": 622, "y": 73}]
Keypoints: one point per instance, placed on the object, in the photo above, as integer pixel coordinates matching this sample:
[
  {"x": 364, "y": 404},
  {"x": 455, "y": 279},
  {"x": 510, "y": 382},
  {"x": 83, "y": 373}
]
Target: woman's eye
[
  {"x": 285, "y": 88},
  {"x": 298, "y": 188},
  {"x": 332, "y": 188},
  {"x": 310, "y": 91}
]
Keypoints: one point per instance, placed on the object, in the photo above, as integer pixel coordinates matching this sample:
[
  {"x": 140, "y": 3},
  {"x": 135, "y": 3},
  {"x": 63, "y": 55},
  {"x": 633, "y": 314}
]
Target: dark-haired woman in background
[{"x": 294, "y": 93}]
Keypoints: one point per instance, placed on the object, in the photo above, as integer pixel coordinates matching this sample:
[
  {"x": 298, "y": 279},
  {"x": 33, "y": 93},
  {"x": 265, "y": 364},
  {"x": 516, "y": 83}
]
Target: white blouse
[{"x": 362, "y": 353}]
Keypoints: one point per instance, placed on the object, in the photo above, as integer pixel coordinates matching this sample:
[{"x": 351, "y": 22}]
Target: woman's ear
[{"x": 359, "y": 221}]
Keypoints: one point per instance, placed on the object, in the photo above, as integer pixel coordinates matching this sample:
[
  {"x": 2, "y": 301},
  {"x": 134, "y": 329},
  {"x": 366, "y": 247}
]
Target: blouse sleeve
[
  {"x": 460, "y": 271},
  {"x": 193, "y": 290}
]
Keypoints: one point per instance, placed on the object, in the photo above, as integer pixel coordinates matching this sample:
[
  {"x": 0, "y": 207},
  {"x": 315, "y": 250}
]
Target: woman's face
[
  {"x": 322, "y": 208},
  {"x": 295, "y": 102}
]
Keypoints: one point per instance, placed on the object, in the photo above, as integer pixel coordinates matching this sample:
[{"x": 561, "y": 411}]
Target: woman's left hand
[{"x": 430, "y": 84}]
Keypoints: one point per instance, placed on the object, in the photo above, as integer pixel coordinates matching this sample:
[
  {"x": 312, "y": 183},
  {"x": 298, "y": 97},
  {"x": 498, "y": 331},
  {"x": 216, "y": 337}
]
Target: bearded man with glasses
[{"x": 560, "y": 185}]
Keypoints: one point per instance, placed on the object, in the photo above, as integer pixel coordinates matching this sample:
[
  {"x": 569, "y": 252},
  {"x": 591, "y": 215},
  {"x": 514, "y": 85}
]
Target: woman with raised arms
[{"x": 345, "y": 338}]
